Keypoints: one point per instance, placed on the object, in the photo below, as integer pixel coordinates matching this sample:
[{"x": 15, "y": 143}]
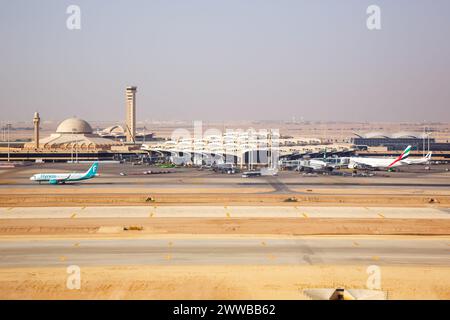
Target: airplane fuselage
[
  {"x": 374, "y": 162},
  {"x": 57, "y": 178},
  {"x": 384, "y": 163},
  {"x": 60, "y": 177}
]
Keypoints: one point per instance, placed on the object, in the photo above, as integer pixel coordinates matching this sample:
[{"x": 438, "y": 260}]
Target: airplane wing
[
  {"x": 361, "y": 164},
  {"x": 59, "y": 179},
  {"x": 63, "y": 178}
]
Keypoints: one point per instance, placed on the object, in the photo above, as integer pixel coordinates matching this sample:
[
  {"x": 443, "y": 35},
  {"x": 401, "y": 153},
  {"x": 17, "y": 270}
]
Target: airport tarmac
[
  {"x": 192, "y": 179},
  {"x": 10, "y": 213},
  {"x": 311, "y": 251}
]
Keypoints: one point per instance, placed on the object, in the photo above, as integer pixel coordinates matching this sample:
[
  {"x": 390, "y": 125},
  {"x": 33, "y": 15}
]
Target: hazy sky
[{"x": 227, "y": 59}]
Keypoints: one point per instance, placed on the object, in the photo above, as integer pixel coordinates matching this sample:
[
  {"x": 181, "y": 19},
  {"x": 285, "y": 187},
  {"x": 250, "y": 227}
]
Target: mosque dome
[{"x": 74, "y": 125}]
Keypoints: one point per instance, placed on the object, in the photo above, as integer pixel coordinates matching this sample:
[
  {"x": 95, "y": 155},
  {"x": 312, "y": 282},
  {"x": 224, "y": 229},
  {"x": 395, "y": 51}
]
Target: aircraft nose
[{"x": 32, "y": 178}]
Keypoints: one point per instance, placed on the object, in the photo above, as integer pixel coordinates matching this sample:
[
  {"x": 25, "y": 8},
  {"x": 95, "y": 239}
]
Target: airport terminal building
[
  {"x": 73, "y": 133},
  {"x": 398, "y": 141}
]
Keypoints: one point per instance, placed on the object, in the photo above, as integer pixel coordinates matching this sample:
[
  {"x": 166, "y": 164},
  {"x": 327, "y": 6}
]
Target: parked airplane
[
  {"x": 387, "y": 163},
  {"x": 321, "y": 164},
  {"x": 423, "y": 160},
  {"x": 57, "y": 178},
  {"x": 314, "y": 165},
  {"x": 379, "y": 163}
]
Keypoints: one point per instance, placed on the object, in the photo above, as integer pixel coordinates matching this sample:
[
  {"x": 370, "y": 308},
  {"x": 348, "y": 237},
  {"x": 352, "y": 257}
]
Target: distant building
[
  {"x": 117, "y": 133},
  {"x": 398, "y": 141},
  {"x": 238, "y": 147},
  {"x": 72, "y": 133}
]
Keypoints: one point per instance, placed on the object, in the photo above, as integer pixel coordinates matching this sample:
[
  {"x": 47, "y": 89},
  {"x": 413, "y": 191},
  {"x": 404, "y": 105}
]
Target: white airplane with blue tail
[{"x": 61, "y": 178}]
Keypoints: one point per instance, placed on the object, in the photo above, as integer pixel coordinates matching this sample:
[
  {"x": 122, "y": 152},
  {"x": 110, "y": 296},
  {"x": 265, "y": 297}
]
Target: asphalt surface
[
  {"x": 190, "y": 178},
  {"x": 305, "y": 251},
  {"x": 185, "y": 211}
]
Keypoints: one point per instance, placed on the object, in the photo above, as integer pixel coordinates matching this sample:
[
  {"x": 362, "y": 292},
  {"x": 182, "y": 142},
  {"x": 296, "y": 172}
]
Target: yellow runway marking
[
  {"x": 356, "y": 244},
  {"x": 381, "y": 215},
  {"x": 82, "y": 208},
  {"x": 375, "y": 258},
  {"x": 263, "y": 243},
  {"x": 77, "y": 244},
  {"x": 9, "y": 209},
  {"x": 305, "y": 215},
  {"x": 73, "y": 215},
  {"x": 151, "y": 215},
  {"x": 228, "y": 215}
]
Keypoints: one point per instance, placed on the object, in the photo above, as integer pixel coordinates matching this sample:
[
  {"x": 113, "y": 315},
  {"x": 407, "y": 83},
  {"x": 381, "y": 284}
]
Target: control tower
[{"x": 130, "y": 126}]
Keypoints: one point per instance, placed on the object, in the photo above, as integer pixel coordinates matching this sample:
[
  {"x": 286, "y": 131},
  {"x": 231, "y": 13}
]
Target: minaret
[
  {"x": 36, "y": 121},
  {"x": 130, "y": 126}
]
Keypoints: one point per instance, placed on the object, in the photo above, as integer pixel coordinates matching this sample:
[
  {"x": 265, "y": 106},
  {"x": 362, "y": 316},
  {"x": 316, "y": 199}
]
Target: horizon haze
[{"x": 226, "y": 60}]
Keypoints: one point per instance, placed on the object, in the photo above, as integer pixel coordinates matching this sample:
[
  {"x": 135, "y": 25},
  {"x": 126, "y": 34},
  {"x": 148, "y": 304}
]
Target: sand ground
[
  {"x": 218, "y": 282},
  {"x": 170, "y": 281},
  {"x": 222, "y": 226},
  {"x": 150, "y": 199}
]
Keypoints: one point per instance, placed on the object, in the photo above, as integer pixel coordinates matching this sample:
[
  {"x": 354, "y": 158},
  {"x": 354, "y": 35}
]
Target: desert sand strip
[
  {"x": 129, "y": 227},
  {"x": 148, "y": 199},
  {"x": 218, "y": 282}
]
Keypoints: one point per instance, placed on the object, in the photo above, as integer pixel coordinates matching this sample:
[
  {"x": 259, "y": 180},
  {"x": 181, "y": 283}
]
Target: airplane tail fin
[
  {"x": 403, "y": 156},
  {"x": 405, "y": 153},
  {"x": 428, "y": 156},
  {"x": 92, "y": 170}
]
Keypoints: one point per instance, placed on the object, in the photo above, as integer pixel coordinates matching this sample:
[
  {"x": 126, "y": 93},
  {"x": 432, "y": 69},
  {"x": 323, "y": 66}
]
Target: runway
[
  {"x": 186, "y": 211},
  {"x": 302, "y": 251}
]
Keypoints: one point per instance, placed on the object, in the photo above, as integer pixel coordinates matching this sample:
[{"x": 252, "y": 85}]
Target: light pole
[
  {"x": 75, "y": 138},
  {"x": 8, "y": 126},
  {"x": 71, "y": 154},
  {"x": 423, "y": 141},
  {"x": 76, "y": 149}
]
